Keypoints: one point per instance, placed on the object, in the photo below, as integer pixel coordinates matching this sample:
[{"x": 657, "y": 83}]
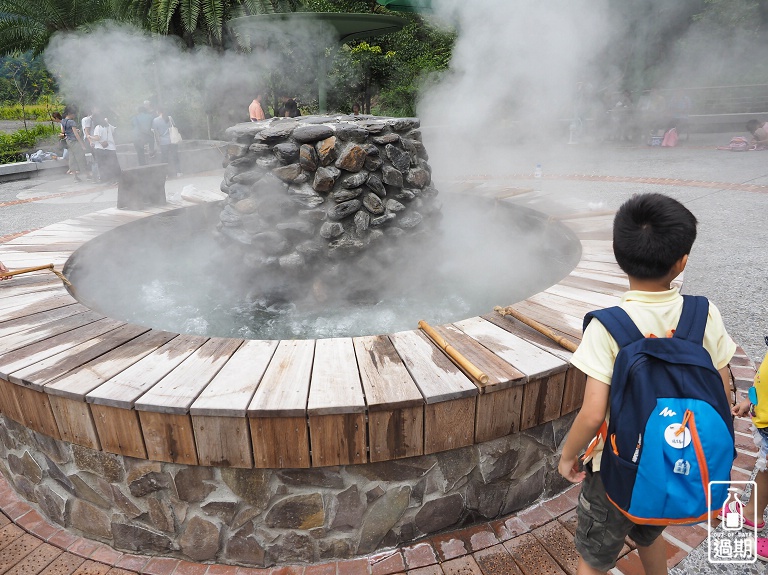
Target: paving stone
[
  {"x": 253, "y": 571},
  {"x": 36, "y": 561},
  {"x": 353, "y": 567},
  {"x": 391, "y": 563},
  {"x": 105, "y": 554},
  {"x": 118, "y": 571},
  {"x": 189, "y": 568},
  {"x": 17, "y": 551},
  {"x": 496, "y": 560},
  {"x": 225, "y": 570},
  {"x": 448, "y": 546},
  {"x": 535, "y": 517},
  {"x": 132, "y": 562},
  {"x": 322, "y": 569},
  {"x": 64, "y": 564},
  {"x": 429, "y": 570},
  {"x": 508, "y": 528},
  {"x": 558, "y": 542},
  {"x": 62, "y": 539},
  {"x": 419, "y": 555},
  {"x": 161, "y": 566},
  {"x": 531, "y": 557},
  {"x": 461, "y": 566},
  {"x": 92, "y": 568},
  {"x": 9, "y": 534},
  {"x": 559, "y": 505},
  {"x": 478, "y": 537},
  {"x": 83, "y": 547},
  {"x": 691, "y": 535}
]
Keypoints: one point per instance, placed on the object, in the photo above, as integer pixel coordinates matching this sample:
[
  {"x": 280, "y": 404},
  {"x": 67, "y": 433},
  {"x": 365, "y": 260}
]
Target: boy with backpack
[{"x": 633, "y": 356}]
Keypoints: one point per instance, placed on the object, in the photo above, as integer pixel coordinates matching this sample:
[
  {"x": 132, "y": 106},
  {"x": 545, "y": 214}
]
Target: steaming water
[{"x": 169, "y": 272}]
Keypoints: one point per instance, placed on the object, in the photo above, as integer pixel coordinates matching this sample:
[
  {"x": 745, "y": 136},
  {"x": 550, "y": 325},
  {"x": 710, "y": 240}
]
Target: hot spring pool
[{"x": 170, "y": 272}]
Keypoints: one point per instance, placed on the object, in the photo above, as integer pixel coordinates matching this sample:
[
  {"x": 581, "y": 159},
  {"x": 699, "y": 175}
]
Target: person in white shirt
[
  {"x": 103, "y": 142},
  {"x": 88, "y": 124}
]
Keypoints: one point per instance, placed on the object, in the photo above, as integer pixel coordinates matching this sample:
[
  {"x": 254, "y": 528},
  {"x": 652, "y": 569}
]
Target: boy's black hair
[
  {"x": 752, "y": 125},
  {"x": 650, "y": 233}
]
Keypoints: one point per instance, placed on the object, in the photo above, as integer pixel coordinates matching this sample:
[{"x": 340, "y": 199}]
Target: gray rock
[
  {"x": 487, "y": 500},
  {"x": 331, "y": 230},
  {"x": 373, "y": 204},
  {"x": 89, "y": 519},
  {"x": 362, "y": 221},
  {"x": 320, "y": 477},
  {"x": 276, "y": 132},
  {"x": 259, "y": 149},
  {"x": 160, "y": 515},
  {"x": 326, "y": 150},
  {"x": 191, "y": 483},
  {"x": 248, "y": 178},
  {"x": 251, "y": 485},
  {"x": 394, "y": 206},
  {"x": 125, "y": 505},
  {"x": 346, "y": 245},
  {"x": 303, "y": 195},
  {"x": 288, "y": 173},
  {"x": 200, "y": 540},
  {"x": 224, "y": 510},
  {"x": 229, "y": 216},
  {"x": 381, "y": 517},
  {"x": 524, "y": 491},
  {"x": 57, "y": 451},
  {"x": 407, "y": 470},
  {"x": 315, "y": 216},
  {"x": 296, "y": 229},
  {"x": 267, "y": 163},
  {"x": 286, "y": 152},
  {"x": 405, "y": 194},
  {"x": 292, "y": 261},
  {"x": 440, "y": 513},
  {"x": 400, "y": 159},
  {"x": 52, "y": 505},
  {"x": 349, "y": 509},
  {"x": 346, "y": 195},
  {"x": 352, "y": 158},
  {"x": 238, "y": 235},
  {"x": 243, "y": 547},
  {"x": 409, "y": 147},
  {"x": 418, "y": 177},
  {"x": 311, "y": 133},
  {"x": 26, "y": 466},
  {"x": 135, "y": 538},
  {"x": 381, "y": 220},
  {"x": 235, "y": 150},
  {"x": 246, "y": 206},
  {"x": 149, "y": 482},
  {"x": 355, "y": 180},
  {"x": 376, "y": 186},
  {"x": 385, "y": 139},
  {"x": 455, "y": 465},
  {"x": 55, "y": 473},
  {"x": 308, "y": 158},
  {"x": 404, "y": 124},
  {"x": 293, "y": 547},
  {"x": 351, "y": 132},
  {"x": 373, "y": 494},
  {"x": 270, "y": 243},
  {"x": 325, "y": 178},
  {"x": 311, "y": 248},
  {"x": 87, "y": 493},
  {"x": 303, "y": 512},
  {"x": 239, "y": 192},
  {"x": 410, "y": 220},
  {"x": 391, "y": 176},
  {"x": 344, "y": 209},
  {"x": 370, "y": 149}
]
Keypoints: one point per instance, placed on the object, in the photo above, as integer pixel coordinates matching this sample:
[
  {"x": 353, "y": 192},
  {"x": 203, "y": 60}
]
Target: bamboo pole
[
  {"x": 542, "y": 329},
  {"x": 462, "y": 362},
  {"x": 49, "y": 267}
]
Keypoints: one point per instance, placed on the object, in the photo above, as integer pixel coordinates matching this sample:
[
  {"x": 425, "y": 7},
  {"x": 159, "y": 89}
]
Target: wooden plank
[
  {"x": 179, "y": 389},
  {"x": 230, "y": 392},
  {"x": 524, "y": 356},
  {"x": 508, "y": 323},
  {"x": 500, "y": 374},
  {"x": 168, "y": 437},
  {"x": 436, "y": 376},
  {"x": 336, "y": 405},
  {"x": 58, "y": 365},
  {"x": 610, "y": 268},
  {"x": 284, "y": 388},
  {"x": 38, "y": 333},
  {"x": 36, "y": 412},
  {"x": 565, "y": 305},
  {"x": 39, "y": 351},
  {"x": 90, "y": 375},
  {"x": 51, "y": 302},
  {"x": 621, "y": 283},
  {"x": 498, "y": 413},
  {"x": 280, "y": 442},
  {"x": 335, "y": 386},
  {"x": 126, "y": 387},
  {"x": 595, "y": 286},
  {"x": 223, "y": 441},
  {"x": 573, "y": 393},
  {"x": 542, "y": 399},
  {"x": 386, "y": 381},
  {"x": 119, "y": 430},
  {"x": 8, "y": 404},
  {"x": 595, "y": 299},
  {"x": 395, "y": 433},
  {"x": 25, "y": 322},
  {"x": 74, "y": 422},
  {"x": 449, "y": 424},
  {"x": 570, "y": 325}
]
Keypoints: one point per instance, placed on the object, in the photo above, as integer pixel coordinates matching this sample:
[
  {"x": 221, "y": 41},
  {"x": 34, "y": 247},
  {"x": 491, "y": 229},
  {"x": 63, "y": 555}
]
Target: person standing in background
[
  {"x": 75, "y": 144},
  {"x": 141, "y": 126},
  {"x": 103, "y": 141},
  {"x": 89, "y": 123},
  {"x": 169, "y": 152},
  {"x": 255, "y": 110}
]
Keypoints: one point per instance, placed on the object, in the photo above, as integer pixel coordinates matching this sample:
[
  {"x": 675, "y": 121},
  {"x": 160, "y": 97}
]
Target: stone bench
[{"x": 142, "y": 187}]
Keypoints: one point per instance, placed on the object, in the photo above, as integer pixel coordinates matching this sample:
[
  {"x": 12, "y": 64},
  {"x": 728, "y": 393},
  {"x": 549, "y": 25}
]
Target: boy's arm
[
  {"x": 584, "y": 428},
  {"x": 726, "y": 375}
]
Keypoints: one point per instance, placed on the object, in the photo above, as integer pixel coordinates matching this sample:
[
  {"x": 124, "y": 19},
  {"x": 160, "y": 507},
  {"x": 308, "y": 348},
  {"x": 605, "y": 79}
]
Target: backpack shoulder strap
[
  {"x": 618, "y": 323},
  {"x": 693, "y": 319}
]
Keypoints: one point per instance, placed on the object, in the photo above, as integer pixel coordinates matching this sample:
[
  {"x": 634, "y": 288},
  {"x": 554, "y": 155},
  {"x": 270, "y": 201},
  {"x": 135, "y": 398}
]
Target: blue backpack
[{"x": 670, "y": 430}]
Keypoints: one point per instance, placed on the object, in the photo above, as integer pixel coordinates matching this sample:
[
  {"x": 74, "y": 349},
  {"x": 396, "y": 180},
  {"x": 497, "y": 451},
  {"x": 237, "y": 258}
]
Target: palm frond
[
  {"x": 190, "y": 12},
  {"x": 213, "y": 12}
]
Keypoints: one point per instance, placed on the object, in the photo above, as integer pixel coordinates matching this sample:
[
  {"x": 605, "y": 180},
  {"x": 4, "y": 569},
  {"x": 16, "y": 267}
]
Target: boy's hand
[
  {"x": 741, "y": 409},
  {"x": 570, "y": 470}
]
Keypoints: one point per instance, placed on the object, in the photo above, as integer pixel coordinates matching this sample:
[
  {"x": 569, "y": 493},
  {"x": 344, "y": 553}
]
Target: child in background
[
  {"x": 757, "y": 406},
  {"x": 759, "y": 134},
  {"x": 652, "y": 237}
]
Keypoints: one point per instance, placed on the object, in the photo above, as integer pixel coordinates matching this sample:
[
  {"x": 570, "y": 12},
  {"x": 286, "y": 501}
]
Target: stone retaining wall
[{"x": 260, "y": 517}]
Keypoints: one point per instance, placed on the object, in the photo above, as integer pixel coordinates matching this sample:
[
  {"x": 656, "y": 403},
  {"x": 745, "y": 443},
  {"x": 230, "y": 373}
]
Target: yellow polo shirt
[
  {"x": 653, "y": 313},
  {"x": 760, "y": 419}
]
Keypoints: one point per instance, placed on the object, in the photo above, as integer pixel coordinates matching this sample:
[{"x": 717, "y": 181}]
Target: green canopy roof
[{"x": 407, "y": 5}]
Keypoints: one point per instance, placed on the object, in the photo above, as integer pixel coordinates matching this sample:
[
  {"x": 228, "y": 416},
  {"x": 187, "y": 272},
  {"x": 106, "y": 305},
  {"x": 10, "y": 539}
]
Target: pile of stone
[{"x": 305, "y": 190}]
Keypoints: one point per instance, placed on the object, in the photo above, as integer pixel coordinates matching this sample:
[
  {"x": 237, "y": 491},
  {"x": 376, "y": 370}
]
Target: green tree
[{"x": 27, "y": 25}]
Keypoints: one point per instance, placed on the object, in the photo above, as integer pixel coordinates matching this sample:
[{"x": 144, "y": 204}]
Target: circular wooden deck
[{"x": 72, "y": 374}]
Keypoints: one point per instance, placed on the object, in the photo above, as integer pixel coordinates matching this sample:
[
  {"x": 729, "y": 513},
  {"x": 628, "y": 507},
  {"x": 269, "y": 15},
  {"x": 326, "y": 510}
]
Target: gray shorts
[{"x": 602, "y": 527}]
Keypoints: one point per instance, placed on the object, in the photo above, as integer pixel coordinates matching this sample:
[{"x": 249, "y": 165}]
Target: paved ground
[{"x": 726, "y": 191}]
